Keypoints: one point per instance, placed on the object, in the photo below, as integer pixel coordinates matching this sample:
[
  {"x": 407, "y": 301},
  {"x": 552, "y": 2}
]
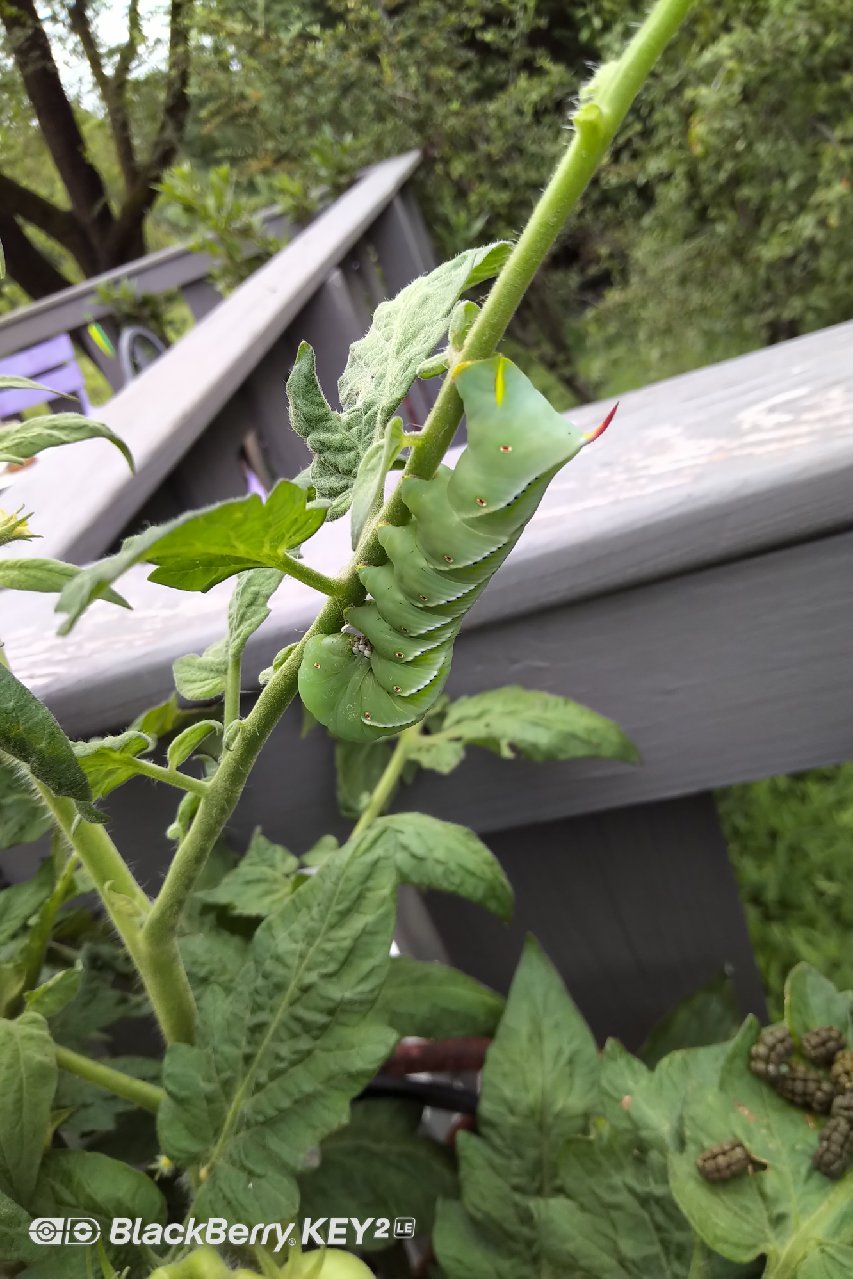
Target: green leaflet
[
  {"x": 788, "y": 1212},
  {"x": 370, "y": 479},
  {"x": 48, "y": 576},
  {"x": 109, "y": 762},
  {"x": 380, "y": 369},
  {"x": 29, "y": 733},
  {"x": 539, "y": 1085},
  {"x": 23, "y": 818},
  {"x": 187, "y": 742},
  {"x": 249, "y": 605},
  {"x": 35, "y": 434},
  {"x": 463, "y": 525},
  {"x": 280, "y": 1054},
  {"x": 710, "y": 1015},
  {"x": 433, "y": 1001},
  {"x": 812, "y": 1000},
  {"x": 430, "y": 853},
  {"x": 379, "y": 1159},
  {"x": 27, "y": 1084},
  {"x": 259, "y": 883},
  {"x": 56, "y": 993},
  {"x": 201, "y": 677},
  {"x": 199, "y": 550},
  {"x": 524, "y": 721},
  {"x": 358, "y": 767}
]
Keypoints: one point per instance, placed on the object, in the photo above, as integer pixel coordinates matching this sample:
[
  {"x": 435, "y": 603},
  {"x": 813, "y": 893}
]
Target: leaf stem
[
  {"x": 608, "y": 98},
  {"x": 233, "y": 678},
  {"x": 147, "y": 1096},
  {"x": 309, "y": 576},
  {"x": 171, "y": 776},
  {"x": 161, "y": 969},
  {"x": 387, "y": 784}
]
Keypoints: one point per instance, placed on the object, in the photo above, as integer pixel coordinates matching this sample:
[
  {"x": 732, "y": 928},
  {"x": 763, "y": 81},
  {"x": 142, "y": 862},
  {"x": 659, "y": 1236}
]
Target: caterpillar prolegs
[{"x": 464, "y": 523}]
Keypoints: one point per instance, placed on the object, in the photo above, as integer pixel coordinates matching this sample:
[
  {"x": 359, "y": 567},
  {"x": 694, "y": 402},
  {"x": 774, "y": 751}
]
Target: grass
[{"x": 791, "y": 844}]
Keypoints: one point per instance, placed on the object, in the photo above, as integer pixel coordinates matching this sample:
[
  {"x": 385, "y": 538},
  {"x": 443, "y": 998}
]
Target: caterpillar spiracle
[{"x": 464, "y": 523}]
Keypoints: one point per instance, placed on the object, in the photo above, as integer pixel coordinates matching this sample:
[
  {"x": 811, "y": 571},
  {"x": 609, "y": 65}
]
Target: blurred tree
[{"x": 95, "y": 212}]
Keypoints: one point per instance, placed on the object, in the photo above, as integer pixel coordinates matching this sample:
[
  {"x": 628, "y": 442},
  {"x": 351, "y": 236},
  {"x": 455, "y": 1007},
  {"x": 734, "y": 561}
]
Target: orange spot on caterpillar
[
  {"x": 481, "y": 501},
  {"x": 366, "y": 715},
  {"x": 424, "y": 598},
  {"x": 399, "y": 653},
  {"x": 599, "y": 430},
  {"x": 397, "y": 688},
  {"x": 448, "y": 558},
  {"x": 316, "y": 666},
  {"x": 506, "y": 448}
]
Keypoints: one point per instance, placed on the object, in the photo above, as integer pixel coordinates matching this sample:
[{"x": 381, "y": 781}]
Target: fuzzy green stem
[
  {"x": 310, "y": 576},
  {"x": 161, "y": 969},
  {"x": 384, "y": 789},
  {"x": 233, "y": 679},
  {"x": 171, "y": 776},
  {"x": 611, "y": 94},
  {"x": 147, "y": 1096}
]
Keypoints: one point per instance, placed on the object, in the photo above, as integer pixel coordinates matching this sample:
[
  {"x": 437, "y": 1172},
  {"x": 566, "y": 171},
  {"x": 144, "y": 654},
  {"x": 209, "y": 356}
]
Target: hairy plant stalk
[
  {"x": 605, "y": 104},
  {"x": 147, "y": 1096},
  {"x": 161, "y": 969},
  {"x": 233, "y": 678},
  {"x": 384, "y": 789}
]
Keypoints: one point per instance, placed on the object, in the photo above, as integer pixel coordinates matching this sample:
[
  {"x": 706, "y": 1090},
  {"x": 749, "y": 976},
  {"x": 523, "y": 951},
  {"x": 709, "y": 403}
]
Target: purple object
[{"x": 53, "y": 363}]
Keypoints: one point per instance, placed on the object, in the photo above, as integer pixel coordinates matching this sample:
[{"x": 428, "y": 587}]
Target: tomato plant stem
[
  {"x": 602, "y": 109},
  {"x": 387, "y": 784}
]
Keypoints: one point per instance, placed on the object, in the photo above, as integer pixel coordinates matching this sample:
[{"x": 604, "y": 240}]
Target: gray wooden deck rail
[{"x": 689, "y": 576}]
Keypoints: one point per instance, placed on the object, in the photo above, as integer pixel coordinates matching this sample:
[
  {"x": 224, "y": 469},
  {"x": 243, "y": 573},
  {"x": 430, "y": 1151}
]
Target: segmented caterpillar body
[{"x": 464, "y": 523}]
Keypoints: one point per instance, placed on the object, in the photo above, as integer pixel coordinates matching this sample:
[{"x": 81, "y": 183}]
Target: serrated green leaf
[
  {"x": 812, "y": 1000},
  {"x": 379, "y": 1159},
  {"x": 259, "y": 883},
  {"x": 48, "y": 576},
  {"x": 539, "y": 726},
  {"x": 249, "y": 606},
  {"x": 15, "y": 1243},
  {"x": 161, "y": 720},
  {"x": 369, "y": 484},
  {"x": 20, "y": 902},
  {"x": 27, "y": 1084},
  {"x": 201, "y": 677},
  {"x": 433, "y": 1001},
  {"x": 11, "y": 382},
  {"x": 381, "y": 367},
  {"x": 358, "y": 767},
  {"x": 786, "y": 1212},
  {"x": 189, "y": 741},
  {"x": 709, "y": 1016},
  {"x": 280, "y": 1055},
  {"x": 14, "y": 527},
  {"x": 109, "y": 762},
  {"x": 540, "y": 1082},
  {"x": 648, "y": 1103},
  {"x": 430, "y": 853},
  {"x": 200, "y": 549},
  {"x": 29, "y": 733},
  {"x": 23, "y": 817},
  {"x": 247, "y": 533},
  {"x": 25, "y": 439},
  {"x": 56, "y": 993},
  {"x": 107, "y": 994}
]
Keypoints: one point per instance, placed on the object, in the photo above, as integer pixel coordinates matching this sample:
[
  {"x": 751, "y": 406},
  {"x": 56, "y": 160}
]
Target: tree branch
[
  {"x": 26, "y": 264},
  {"x": 128, "y": 51},
  {"x": 173, "y": 120},
  {"x": 78, "y": 18},
  {"x": 24, "y": 203},
  {"x": 34, "y": 59}
]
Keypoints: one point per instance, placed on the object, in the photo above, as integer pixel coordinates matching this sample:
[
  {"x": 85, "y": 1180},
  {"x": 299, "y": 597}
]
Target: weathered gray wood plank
[{"x": 167, "y": 407}]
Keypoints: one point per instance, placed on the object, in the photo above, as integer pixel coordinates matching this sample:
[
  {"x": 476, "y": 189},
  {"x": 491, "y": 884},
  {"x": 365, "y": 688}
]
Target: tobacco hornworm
[{"x": 464, "y": 523}]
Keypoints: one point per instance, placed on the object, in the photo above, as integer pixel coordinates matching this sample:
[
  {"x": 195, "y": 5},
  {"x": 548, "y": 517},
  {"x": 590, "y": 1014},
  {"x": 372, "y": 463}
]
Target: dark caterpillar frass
[{"x": 464, "y": 523}]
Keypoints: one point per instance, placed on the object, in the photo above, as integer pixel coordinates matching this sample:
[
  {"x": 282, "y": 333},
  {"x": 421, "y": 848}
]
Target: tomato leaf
[
  {"x": 49, "y": 576},
  {"x": 25, "y": 439},
  {"x": 29, "y": 733},
  {"x": 433, "y": 1001}
]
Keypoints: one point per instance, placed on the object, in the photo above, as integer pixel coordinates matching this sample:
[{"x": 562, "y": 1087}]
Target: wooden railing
[{"x": 688, "y": 576}]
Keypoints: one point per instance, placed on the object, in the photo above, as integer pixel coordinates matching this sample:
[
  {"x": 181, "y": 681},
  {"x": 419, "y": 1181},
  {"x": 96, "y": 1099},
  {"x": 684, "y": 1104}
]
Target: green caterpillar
[{"x": 464, "y": 523}]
